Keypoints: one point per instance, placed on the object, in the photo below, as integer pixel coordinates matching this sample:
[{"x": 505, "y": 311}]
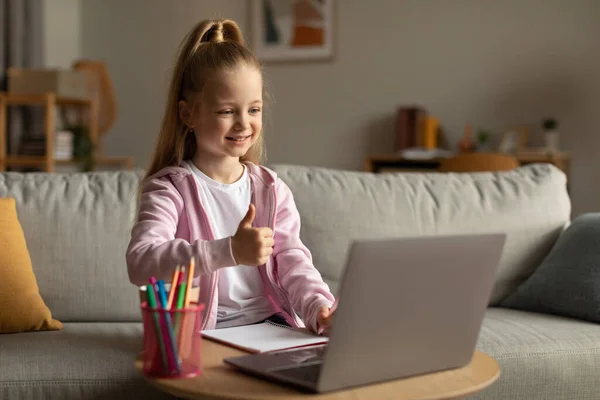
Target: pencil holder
[{"x": 172, "y": 341}]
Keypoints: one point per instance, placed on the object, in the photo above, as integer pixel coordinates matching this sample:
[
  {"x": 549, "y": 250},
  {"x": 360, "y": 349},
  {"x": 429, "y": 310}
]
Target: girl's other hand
[{"x": 324, "y": 319}]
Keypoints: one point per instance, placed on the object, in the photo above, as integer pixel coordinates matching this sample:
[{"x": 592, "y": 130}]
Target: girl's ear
[{"x": 186, "y": 113}]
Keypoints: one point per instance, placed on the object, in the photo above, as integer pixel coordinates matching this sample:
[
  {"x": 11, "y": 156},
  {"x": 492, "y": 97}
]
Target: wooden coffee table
[{"x": 223, "y": 382}]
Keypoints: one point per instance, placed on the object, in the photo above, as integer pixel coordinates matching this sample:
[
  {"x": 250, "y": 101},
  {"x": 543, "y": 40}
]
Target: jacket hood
[{"x": 264, "y": 174}]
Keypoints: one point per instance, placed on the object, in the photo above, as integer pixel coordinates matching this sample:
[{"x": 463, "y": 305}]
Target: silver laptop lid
[{"x": 409, "y": 306}]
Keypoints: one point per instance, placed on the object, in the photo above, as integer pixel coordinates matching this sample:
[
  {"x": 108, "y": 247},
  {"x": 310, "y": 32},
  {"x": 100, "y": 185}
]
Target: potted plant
[
  {"x": 82, "y": 146},
  {"x": 483, "y": 139},
  {"x": 551, "y": 134}
]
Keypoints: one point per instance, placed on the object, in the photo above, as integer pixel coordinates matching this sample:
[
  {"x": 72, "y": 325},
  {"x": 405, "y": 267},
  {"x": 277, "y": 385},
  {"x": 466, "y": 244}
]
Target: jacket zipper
[
  {"x": 215, "y": 275},
  {"x": 276, "y": 284},
  {"x": 214, "y": 278}
]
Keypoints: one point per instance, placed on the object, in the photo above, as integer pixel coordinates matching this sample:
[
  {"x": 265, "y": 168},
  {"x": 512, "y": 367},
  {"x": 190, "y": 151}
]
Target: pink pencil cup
[{"x": 172, "y": 341}]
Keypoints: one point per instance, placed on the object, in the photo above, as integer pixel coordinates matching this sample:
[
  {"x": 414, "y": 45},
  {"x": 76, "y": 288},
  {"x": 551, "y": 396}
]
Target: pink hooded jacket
[{"x": 172, "y": 227}]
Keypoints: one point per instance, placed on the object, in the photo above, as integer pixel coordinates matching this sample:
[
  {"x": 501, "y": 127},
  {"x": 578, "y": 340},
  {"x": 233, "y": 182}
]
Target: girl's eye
[
  {"x": 226, "y": 112},
  {"x": 255, "y": 110}
]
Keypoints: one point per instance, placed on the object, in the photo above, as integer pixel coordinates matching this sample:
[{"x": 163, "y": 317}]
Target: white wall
[
  {"x": 492, "y": 64},
  {"x": 62, "y": 32},
  {"x": 138, "y": 40}
]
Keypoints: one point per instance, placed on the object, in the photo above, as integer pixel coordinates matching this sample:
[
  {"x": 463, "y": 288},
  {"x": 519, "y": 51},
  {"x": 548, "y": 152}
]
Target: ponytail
[{"x": 211, "y": 46}]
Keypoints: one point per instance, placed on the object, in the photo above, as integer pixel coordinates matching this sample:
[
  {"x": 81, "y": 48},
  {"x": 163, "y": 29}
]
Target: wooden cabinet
[{"x": 393, "y": 163}]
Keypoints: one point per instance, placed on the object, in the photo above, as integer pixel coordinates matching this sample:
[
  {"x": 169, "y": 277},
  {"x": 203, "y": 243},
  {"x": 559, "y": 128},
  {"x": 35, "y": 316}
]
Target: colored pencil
[
  {"x": 179, "y": 296},
  {"x": 184, "y": 334},
  {"x": 187, "y": 328},
  {"x": 165, "y": 330},
  {"x": 159, "y": 336},
  {"x": 180, "y": 301},
  {"x": 190, "y": 279},
  {"x": 180, "y": 287},
  {"x": 173, "y": 288},
  {"x": 173, "y": 353}
]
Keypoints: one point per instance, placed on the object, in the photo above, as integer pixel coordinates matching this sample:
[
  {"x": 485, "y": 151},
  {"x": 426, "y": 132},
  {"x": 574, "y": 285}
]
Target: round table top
[{"x": 219, "y": 380}]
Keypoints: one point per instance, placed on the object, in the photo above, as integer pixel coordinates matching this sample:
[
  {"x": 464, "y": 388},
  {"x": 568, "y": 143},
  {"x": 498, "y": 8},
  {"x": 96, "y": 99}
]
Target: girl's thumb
[{"x": 249, "y": 217}]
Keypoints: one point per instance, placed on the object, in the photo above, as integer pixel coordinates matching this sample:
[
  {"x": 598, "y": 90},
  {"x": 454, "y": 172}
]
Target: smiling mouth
[{"x": 238, "y": 139}]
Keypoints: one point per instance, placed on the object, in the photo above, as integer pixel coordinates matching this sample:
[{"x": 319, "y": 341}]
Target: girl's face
[{"x": 229, "y": 118}]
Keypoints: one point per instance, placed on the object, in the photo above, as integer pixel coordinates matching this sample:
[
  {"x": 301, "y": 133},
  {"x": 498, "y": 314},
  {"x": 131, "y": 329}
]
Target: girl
[{"x": 205, "y": 196}]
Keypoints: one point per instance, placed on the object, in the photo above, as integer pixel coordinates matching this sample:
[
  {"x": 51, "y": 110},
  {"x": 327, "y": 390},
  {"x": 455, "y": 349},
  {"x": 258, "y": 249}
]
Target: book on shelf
[
  {"x": 36, "y": 146},
  {"x": 415, "y": 127}
]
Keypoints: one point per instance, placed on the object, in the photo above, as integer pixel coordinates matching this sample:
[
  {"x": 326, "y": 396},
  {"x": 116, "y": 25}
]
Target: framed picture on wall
[{"x": 292, "y": 30}]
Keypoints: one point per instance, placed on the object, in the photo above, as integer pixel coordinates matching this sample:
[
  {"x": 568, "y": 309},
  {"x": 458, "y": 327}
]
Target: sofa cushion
[
  {"x": 22, "y": 308},
  {"x": 77, "y": 228},
  {"x": 541, "y": 356},
  {"x": 81, "y": 361},
  {"x": 568, "y": 281},
  {"x": 530, "y": 204}
]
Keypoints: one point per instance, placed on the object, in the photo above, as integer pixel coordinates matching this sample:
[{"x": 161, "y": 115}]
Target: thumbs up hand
[{"x": 252, "y": 246}]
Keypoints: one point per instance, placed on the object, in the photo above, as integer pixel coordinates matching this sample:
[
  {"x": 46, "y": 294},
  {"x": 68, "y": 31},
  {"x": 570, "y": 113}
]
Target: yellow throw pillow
[{"x": 22, "y": 309}]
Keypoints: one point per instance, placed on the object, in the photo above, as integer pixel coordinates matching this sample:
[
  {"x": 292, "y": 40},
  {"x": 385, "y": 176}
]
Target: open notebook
[{"x": 263, "y": 337}]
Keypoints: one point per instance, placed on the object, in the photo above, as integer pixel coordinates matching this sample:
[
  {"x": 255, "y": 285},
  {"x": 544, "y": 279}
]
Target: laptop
[{"x": 407, "y": 306}]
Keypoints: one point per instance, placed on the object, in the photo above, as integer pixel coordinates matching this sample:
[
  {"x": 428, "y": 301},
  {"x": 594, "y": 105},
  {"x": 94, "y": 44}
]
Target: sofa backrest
[
  {"x": 530, "y": 204},
  {"x": 77, "y": 228}
]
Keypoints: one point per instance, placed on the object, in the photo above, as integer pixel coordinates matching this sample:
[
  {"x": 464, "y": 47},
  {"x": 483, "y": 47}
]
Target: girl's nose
[{"x": 242, "y": 123}]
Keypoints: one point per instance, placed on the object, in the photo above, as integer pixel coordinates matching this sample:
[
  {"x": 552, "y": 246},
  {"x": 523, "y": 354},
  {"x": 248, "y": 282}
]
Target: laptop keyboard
[{"x": 305, "y": 373}]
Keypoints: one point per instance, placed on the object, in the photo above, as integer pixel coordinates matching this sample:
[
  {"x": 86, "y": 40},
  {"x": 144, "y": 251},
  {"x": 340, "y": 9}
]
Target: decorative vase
[
  {"x": 551, "y": 136},
  {"x": 466, "y": 143},
  {"x": 552, "y": 141}
]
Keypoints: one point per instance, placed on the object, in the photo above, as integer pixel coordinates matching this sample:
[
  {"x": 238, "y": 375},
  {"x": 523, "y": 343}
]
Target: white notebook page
[{"x": 263, "y": 337}]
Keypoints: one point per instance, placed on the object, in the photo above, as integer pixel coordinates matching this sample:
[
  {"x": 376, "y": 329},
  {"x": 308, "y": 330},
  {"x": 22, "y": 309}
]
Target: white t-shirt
[{"x": 241, "y": 299}]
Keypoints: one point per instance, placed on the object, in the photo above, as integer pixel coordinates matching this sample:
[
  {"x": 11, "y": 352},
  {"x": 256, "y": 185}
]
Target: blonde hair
[{"x": 211, "y": 46}]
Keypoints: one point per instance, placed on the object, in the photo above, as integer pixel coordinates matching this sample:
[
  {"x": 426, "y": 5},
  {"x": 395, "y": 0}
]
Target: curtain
[{"x": 21, "y": 46}]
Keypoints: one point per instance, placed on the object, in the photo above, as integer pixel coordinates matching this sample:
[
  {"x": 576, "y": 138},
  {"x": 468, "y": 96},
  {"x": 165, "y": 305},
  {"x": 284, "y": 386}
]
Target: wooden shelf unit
[
  {"x": 50, "y": 102},
  {"x": 394, "y": 163}
]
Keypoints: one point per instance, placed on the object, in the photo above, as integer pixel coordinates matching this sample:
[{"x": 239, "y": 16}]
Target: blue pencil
[
  {"x": 162, "y": 295},
  {"x": 159, "y": 337}
]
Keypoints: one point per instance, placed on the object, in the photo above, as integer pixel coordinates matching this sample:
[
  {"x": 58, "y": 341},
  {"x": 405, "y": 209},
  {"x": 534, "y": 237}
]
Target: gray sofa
[{"x": 77, "y": 228}]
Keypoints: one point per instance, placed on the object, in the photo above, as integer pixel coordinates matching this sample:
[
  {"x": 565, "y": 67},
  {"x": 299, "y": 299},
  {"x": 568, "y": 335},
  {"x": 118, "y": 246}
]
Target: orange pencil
[
  {"x": 187, "y": 327},
  {"x": 190, "y": 278},
  {"x": 173, "y": 288}
]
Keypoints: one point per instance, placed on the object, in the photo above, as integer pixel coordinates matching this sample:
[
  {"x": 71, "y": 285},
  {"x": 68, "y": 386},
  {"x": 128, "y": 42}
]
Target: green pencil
[
  {"x": 179, "y": 304},
  {"x": 159, "y": 336}
]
